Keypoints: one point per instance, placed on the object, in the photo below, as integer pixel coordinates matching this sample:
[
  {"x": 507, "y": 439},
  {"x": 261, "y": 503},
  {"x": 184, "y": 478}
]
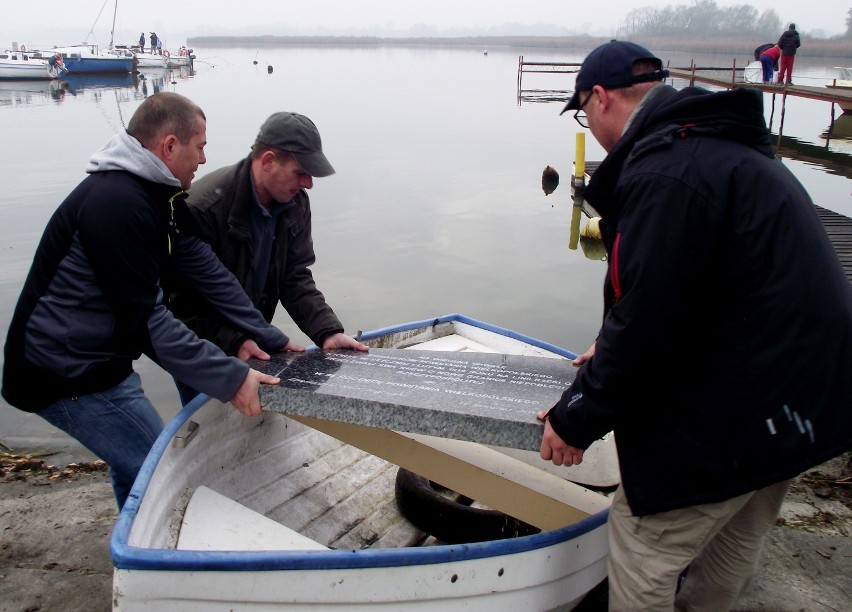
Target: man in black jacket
[
  {"x": 256, "y": 214},
  {"x": 722, "y": 364},
  {"x": 788, "y": 42}
]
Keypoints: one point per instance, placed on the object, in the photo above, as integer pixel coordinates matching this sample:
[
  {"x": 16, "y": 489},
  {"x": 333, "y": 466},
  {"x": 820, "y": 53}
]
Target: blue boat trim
[
  {"x": 450, "y": 318},
  {"x": 129, "y": 557}
]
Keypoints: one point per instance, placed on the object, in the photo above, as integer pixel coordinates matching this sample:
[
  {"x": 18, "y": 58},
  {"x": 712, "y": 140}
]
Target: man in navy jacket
[
  {"x": 789, "y": 42},
  {"x": 722, "y": 364}
]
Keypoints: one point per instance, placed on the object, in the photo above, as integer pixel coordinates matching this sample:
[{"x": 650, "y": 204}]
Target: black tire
[{"x": 450, "y": 521}]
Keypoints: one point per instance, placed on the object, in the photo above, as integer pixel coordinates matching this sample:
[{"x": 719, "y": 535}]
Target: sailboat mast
[{"x": 112, "y": 32}]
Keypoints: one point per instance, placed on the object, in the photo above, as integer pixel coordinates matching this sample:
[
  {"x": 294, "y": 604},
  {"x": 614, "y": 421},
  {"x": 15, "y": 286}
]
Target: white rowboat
[{"x": 264, "y": 512}]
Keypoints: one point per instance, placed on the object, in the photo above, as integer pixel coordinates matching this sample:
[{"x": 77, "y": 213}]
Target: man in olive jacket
[
  {"x": 722, "y": 363},
  {"x": 256, "y": 215},
  {"x": 788, "y": 42}
]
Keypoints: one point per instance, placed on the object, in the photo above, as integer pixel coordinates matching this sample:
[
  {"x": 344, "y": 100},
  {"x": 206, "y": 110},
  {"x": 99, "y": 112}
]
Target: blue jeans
[
  {"x": 768, "y": 64},
  {"x": 119, "y": 425}
]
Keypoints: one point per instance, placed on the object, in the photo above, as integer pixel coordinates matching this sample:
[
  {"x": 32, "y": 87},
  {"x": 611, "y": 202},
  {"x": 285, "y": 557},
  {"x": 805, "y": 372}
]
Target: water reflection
[
  {"x": 543, "y": 95},
  {"x": 129, "y": 86},
  {"x": 77, "y": 84},
  {"x": 549, "y": 180},
  {"x": 18, "y": 93},
  {"x": 836, "y": 160},
  {"x": 840, "y": 128},
  {"x": 153, "y": 80}
]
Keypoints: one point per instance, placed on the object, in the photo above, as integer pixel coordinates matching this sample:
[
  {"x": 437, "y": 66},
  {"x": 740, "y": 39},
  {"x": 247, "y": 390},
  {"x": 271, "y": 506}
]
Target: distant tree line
[
  {"x": 840, "y": 46},
  {"x": 701, "y": 27},
  {"x": 702, "y": 18},
  {"x": 705, "y": 18}
]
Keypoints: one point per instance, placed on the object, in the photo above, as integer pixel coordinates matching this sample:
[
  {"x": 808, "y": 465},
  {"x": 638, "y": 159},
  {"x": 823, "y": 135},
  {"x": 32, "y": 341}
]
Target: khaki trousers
[{"x": 720, "y": 543}]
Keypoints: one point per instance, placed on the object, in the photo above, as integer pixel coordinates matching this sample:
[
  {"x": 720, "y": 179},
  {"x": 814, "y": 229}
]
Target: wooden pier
[
  {"x": 718, "y": 76},
  {"x": 839, "y": 228},
  {"x": 734, "y": 78}
]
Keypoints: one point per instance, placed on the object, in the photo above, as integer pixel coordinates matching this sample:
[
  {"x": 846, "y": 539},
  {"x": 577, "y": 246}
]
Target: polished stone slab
[{"x": 480, "y": 397}]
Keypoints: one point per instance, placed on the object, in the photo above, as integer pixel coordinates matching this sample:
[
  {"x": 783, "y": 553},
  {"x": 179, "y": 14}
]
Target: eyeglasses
[{"x": 581, "y": 118}]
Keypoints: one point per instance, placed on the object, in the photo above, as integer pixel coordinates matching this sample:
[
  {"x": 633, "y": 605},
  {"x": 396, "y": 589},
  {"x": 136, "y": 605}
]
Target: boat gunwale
[{"x": 128, "y": 557}]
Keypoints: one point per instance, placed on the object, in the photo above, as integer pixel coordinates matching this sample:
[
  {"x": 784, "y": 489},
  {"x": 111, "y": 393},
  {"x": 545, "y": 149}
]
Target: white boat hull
[
  {"x": 556, "y": 576},
  {"x": 843, "y": 83},
  {"x": 179, "y": 61},
  {"x": 298, "y": 480},
  {"x": 15, "y": 65},
  {"x": 753, "y": 73},
  {"x": 88, "y": 59},
  {"x": 149, "y": 60}
]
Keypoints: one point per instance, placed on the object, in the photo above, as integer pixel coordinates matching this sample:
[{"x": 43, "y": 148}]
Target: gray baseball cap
[{"x": 297, "y": 135}]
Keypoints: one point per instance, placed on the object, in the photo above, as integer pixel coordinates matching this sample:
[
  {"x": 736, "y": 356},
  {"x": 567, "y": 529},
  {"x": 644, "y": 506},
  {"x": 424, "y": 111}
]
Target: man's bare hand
[
  {"x": 554, "y": 449},
  {"x": 581, "y": 359},
  {"x": 247, "y": 398},
  {"x": 249, "y": 349},
  {"x": 342, "y": 341}
]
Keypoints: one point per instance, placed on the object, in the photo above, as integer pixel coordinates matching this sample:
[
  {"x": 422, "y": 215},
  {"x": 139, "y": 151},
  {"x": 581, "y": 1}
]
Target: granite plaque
[{"x": 480, "y": 397}]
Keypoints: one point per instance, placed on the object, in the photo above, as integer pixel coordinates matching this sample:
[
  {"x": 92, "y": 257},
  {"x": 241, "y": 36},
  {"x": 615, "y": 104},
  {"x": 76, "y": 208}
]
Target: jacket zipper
[
  {"x": 613, "y": 270},
  {"x": 172, "y": 223}
]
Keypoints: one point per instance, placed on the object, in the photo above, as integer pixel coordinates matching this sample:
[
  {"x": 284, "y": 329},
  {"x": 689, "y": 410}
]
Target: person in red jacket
[{"x": 769, "y": 61}]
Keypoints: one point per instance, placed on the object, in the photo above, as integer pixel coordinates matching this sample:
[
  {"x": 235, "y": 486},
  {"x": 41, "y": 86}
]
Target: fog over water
[{"x": 437, "y": 204}]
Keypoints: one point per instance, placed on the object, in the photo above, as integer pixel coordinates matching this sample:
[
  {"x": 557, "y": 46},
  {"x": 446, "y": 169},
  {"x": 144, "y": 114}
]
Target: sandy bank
[{"x": 55, "y": 525}]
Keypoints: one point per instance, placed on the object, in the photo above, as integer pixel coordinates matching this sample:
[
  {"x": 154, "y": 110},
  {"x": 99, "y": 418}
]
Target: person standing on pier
[
  {"x": 722, "y": 362},
  {"x": 789, "y": 43},
  {"x": 142, "y": 42},
  {"x": 769, "y": 60}
]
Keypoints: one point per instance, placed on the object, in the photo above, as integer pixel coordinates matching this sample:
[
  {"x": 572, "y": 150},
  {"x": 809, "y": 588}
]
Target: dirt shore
[{"x": 55, "y": 525}]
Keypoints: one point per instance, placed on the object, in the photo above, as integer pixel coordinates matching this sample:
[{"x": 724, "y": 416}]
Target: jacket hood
[
  {"x": 124, "y": 152},
  {"x": 668, "y": 114},
  {"x": 735, "y": 115}
]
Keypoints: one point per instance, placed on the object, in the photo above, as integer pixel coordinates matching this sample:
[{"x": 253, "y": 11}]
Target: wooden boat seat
[{"x": 215, "y": 522}]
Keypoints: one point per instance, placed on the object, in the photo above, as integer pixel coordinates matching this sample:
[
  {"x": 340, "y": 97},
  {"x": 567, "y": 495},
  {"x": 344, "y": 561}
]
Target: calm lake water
[{"x": 436, "y": 207}]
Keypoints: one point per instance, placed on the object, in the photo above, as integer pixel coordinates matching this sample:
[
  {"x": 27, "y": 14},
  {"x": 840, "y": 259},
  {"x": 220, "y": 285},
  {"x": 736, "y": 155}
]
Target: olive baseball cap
[
  {"x": 611, "y": 67},
  {"x": 297, "y": 135}
]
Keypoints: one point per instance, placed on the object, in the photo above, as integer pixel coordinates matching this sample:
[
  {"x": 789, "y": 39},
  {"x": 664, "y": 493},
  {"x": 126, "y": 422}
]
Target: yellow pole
[
  {"x": 580, "y": 157},
  {"x": 574, "y": 238},
  {"x": 578, "y": 183}
]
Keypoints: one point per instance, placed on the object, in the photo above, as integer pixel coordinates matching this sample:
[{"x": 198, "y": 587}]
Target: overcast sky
[{"x": 34, "y": 20}]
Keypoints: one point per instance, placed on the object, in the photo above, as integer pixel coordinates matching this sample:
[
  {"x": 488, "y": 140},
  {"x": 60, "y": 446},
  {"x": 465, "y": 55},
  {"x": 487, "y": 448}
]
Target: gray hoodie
[{"x": 94, "y": 298}]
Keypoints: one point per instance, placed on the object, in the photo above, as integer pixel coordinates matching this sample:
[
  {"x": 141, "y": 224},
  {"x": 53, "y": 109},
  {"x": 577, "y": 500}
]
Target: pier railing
[{"x": 718, "y": 76}]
